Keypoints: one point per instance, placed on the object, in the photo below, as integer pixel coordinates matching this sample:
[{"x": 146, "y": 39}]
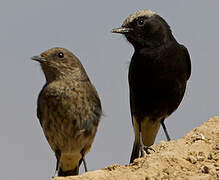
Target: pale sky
[{"x": 30, "y": 27}]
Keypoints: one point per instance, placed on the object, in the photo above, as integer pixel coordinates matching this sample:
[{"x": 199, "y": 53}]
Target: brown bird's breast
[{"x": 69, "y": 114}]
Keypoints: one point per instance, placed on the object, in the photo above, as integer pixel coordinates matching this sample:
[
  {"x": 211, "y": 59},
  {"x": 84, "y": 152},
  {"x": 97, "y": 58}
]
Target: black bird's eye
[
  {"x": 141, "y": 22},
  {"x": 60, "y": 55}
]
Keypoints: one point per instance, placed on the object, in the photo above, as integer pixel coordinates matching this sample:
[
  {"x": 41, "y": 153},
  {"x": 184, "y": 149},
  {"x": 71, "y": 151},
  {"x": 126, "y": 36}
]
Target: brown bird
[
  {"x": 69, "y": 109},
  {"x": 158, "y": 74}
]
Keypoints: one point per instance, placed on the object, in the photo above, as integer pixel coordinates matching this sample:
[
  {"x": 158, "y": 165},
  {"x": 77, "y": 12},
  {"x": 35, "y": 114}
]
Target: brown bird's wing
[
  {"x": 95, "y": 110},
  {"x": 91, "y": 118},
  {"x": 40, "y": 101}
]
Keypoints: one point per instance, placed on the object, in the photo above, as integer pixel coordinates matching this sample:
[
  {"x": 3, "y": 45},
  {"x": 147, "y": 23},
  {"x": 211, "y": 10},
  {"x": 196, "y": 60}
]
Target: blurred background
[{"x": 30, "y": 27}]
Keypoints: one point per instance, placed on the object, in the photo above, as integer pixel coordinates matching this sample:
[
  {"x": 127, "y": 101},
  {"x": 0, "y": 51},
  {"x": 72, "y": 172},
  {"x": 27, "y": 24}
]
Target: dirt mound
[{"x": 193, "y": 157}]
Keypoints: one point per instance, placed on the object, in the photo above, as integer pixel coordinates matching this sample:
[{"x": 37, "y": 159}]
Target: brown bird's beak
[
  {"x": 39, "y": 59},
  {"x": 121, "y": 30}
]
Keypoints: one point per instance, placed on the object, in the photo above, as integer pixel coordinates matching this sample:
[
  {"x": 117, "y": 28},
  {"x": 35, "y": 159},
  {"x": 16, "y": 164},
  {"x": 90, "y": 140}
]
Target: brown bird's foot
[{"x": 55, "y": 175}]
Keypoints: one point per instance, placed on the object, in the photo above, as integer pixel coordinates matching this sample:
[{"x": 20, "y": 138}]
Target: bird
[
  {"x": 158, "y": 73},
  {"x": 68, "y": 108}
]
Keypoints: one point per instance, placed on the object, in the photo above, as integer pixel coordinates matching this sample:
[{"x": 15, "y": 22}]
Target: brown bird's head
[
  {"x": 59, "y": 63},
  {"x": 145, "y": 29}
]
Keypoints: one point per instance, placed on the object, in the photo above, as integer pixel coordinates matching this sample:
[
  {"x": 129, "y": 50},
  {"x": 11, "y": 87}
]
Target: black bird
[
  {"x": 69, "y": 109},
  {"x": 159, "y": 70}
]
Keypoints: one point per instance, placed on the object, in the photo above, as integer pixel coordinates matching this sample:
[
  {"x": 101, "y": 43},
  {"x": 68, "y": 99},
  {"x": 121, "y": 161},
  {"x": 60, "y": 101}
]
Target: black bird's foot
[{"x": 145, "y": 150}]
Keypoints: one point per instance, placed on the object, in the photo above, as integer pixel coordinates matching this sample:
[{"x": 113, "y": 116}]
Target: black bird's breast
[{"x": 157, "y": 82}]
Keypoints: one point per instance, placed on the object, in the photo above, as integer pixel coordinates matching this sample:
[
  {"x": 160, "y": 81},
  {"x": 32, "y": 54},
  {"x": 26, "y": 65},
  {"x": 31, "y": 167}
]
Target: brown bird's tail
[{"x": 68, "y": 172}]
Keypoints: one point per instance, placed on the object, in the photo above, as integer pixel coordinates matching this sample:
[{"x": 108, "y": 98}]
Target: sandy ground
[{"x": 193, "y": 157}]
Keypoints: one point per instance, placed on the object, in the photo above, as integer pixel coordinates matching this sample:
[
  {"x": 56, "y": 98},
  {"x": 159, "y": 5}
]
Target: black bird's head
[
  {"x": 145, "y": 29},
  {"x": 59, "y": 63}
]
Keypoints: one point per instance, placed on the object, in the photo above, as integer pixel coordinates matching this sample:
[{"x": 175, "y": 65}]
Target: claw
[{"x": 146, "y": 149}]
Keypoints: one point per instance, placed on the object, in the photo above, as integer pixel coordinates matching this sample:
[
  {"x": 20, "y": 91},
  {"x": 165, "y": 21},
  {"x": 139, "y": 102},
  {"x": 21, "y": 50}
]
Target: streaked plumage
[{"x": 69, "y": 108}]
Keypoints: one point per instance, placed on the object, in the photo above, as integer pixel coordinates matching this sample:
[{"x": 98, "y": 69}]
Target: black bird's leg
[
  {"x": 165, "y": 130},
  {"x": 84, "y": 162},
  {"x": 141, "y": 146},
  {"x": 144, "y": 149}
]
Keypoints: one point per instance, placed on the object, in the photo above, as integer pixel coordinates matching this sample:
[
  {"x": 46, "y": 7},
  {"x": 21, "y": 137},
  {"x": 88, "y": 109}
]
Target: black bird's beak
[
  {"x": 39, "y": 59},
  {"x": 121, "y": 30}
]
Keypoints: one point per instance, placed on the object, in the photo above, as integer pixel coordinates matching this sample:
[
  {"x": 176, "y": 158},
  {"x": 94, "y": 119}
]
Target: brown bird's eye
[
  {"x": 140, "y": 22},
  {"x": 61, "y": 55}
]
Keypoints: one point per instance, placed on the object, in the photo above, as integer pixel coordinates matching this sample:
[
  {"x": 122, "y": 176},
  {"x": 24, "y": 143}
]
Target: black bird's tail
[
  {"x": 145, "y": 134},
  {"x": 136, "y": 145},
  {"x": 135, "y": 150}
]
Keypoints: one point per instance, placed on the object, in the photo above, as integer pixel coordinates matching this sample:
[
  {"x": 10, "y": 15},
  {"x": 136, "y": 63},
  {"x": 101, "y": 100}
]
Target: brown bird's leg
[
  {"x": 84, "y": 161},
  {"x": 85, "y": 164},
  {"x": 58, "y": 154},
  {"x": 165, "y": 130},
  {"x": 57, "y": 168}
]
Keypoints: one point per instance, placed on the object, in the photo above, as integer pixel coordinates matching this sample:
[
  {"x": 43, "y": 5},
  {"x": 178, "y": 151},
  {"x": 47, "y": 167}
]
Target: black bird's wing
[{"x": 187, "y": 60}]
